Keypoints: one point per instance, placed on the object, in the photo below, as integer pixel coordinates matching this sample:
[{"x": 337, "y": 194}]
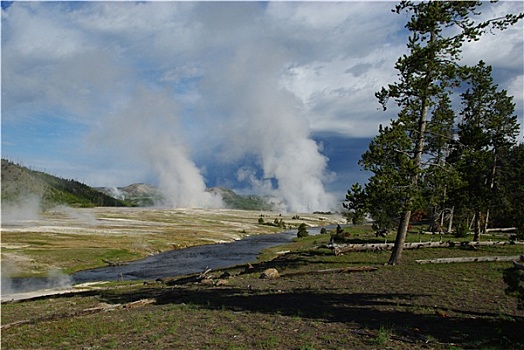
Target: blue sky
[{"x": 270, "y": 98}]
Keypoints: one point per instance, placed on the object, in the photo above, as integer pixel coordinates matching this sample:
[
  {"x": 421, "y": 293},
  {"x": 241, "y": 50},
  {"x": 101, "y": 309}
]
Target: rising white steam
[
  {"x": 15, "y": 288},
  {"x": 27, "y": 208},
  {"x": 147, "y": 131},
  {"x": 266, "y": 121}
]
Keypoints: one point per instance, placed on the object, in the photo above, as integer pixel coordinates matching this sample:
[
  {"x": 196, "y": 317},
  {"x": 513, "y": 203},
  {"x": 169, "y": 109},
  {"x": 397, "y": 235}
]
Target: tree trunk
[
  {"x": 450, "y": 223},
  {"x": 485, "y": 228},
  {"x": 470, "y": 223},
  {"x": 404, "y": 222},
  {"x": 491, "y": 185},
  {"x": 417, "y": 157},
  {"x": 400, "y": 239},
  {"x": 476, "y": 234}
]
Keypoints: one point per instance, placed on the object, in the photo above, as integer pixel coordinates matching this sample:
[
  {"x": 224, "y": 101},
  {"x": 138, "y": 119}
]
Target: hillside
[
  {"x": 245, "y": 202},
  {"x": 139, "y": 194},
  {"x": 19, "y": 183},
  {"x": 145, "y": 195}
]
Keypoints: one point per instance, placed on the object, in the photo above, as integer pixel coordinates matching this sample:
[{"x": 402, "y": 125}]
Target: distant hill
[
  {"x": 139, "y": 194},
  {"x": 244, "y": 202},
  {"x": 144, "y": 195},
  {"x": 19, "y": 183}
]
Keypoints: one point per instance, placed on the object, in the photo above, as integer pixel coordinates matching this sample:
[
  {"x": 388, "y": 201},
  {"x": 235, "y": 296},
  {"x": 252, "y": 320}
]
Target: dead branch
[
  {"x": 388, "y": 246},
  {"x": 88, "y": 311},
  {"x": 471, "y": 259},
  {"x": 328, "y": 271}
]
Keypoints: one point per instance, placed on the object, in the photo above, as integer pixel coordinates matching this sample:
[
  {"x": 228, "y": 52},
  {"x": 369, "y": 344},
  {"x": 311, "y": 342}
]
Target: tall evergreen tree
[
  {"x": 509, "y": 204},
  {"x": 397, "y": 156},
  {"x": 487, "y": 131},
  {"x": 440, "y": 177}
]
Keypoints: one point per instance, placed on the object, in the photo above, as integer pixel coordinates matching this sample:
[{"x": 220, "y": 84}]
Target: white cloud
[
  {"x": 339, "y": 94},
  {"x": 159, "y": 84}
]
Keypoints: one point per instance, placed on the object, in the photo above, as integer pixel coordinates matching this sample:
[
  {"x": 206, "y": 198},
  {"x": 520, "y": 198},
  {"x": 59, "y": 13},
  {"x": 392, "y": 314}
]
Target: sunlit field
[{"x": 69, "y": 240}]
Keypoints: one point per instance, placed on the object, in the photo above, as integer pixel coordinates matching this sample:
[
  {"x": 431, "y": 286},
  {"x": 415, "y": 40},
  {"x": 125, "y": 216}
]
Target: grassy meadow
[{"x": 409, "y": 306}]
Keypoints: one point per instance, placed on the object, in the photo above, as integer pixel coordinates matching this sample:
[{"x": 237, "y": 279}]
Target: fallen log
[
  {"x": 471, "y": 259},
  {"x": 92, "y": 310},
  {"x": 518, "y": 266},
  {"x": 114, "y": 263},
  {"x": 505, "y": 229},
  {"x": 328, "y": 271},
  {"x": 388, "y": 246}
]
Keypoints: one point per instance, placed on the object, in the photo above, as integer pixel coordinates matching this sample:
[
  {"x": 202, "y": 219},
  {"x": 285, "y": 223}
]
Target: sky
[{"x": 270, "y": 98}]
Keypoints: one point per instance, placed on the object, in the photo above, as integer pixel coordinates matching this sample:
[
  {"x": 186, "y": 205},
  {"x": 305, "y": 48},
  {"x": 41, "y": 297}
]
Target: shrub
[
  {"x": 461, "y": 230},
  {"x": 514, "y": 279},
  {"x": 302, "y": 231}
]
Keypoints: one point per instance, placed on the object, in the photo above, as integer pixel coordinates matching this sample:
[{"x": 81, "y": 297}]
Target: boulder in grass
[
  {"x": 221, "y": 282},
  {"x": 206, "y": 281},
  {"x": 270, "y": 274}
]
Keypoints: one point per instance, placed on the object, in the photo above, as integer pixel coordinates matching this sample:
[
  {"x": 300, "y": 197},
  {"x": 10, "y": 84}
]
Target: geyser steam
[
  {"x": 265, "y": 120},
  {"x": 147, "y": 130}
]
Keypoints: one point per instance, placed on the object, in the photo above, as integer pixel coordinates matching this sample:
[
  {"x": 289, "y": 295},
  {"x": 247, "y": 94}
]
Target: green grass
[
  {"x": 76, "y": 245},
  {"x": 452, "y": 305},
  {"x": 383, "y": 335}
]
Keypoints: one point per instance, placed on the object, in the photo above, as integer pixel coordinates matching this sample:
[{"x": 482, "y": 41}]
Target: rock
[
  {"x": 221, "y": 282},
  {"x": 270, "y": 274}
]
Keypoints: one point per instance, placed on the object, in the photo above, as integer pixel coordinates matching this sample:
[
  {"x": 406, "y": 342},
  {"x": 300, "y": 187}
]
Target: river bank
[
  {"x": 409, "y": 306},
  {"x": 45, "y": 253}
]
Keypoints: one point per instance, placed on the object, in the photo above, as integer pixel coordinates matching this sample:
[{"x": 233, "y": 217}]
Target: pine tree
[
  {"x": 398, "y": 155},
  {"x": 509, "y": 204},
  {"x": 487, "y": 131}
]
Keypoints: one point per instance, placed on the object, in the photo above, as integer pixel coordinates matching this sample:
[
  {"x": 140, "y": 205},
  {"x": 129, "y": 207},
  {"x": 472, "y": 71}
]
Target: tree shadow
[{"x": 358, "y": 310}]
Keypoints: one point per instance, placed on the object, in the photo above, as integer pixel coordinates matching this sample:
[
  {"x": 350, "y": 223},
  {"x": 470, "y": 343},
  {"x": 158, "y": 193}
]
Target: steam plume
[
  {"x": 147, "y": 130},
  {"x": 268, "y": 123},
  {"x": 18, "y": 212}
]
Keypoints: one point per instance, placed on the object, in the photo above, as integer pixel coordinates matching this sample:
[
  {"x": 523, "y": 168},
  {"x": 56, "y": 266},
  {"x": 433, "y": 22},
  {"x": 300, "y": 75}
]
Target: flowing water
[{"x": 171, "y": 263}]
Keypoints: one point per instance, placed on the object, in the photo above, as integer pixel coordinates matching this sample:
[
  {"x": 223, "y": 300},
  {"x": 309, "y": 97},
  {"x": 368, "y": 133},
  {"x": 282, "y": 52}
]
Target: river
[{"x": 168, "y": 264}]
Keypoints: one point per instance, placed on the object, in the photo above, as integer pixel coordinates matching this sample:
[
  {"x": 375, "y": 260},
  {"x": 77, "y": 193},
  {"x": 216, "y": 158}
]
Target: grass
[
  {"x": 383, "y": 335},
  {"x": 76, "y": 239},
  {"x": 409, "y": 306},
  {"x": 328, "y": 314}
]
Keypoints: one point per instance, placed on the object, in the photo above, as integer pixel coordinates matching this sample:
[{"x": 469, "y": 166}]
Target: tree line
[{"x": 451, "y": 154}]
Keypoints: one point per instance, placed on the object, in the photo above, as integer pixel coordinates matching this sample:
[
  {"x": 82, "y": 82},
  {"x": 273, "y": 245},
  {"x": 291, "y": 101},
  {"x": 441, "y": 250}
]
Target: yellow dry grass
[{"x": 74, "y": 239}]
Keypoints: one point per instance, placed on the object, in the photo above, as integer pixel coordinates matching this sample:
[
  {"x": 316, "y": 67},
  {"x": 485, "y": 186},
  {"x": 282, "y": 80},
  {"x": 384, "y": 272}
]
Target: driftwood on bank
[
  {"x": 114, "y": 263},
  {"x": 388, "y": 246},
  {"x": 328, "y": 271},
  {"x": 471, "y": 259}
]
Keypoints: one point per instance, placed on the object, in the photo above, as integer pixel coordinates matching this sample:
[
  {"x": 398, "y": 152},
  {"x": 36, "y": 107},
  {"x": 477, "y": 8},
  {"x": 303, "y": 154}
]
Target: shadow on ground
[{"x": 358, "y": 310}]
